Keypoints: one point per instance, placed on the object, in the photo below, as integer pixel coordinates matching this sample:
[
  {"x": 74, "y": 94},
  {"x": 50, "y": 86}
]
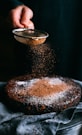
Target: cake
[{"x": 37, "y": 95}]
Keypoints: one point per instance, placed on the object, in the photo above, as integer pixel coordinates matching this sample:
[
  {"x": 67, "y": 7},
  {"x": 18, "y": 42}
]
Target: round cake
[{"x": 36, "y": 95}]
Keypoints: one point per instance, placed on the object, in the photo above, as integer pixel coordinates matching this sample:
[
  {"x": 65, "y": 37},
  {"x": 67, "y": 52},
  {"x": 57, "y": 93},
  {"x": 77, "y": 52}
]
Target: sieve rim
[{"x": 45, "y": 34}]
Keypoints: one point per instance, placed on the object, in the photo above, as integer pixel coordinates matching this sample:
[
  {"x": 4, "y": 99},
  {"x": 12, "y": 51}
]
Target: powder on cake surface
[
  {"x": 41, "y": 87},
  {"x": 21, "y": 87},
  {"x": 28, "y": 83}
]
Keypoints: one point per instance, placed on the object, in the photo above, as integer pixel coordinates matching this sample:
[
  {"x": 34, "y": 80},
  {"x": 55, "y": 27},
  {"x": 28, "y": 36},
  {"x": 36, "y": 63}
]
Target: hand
[{"x": 20, "y": 17}]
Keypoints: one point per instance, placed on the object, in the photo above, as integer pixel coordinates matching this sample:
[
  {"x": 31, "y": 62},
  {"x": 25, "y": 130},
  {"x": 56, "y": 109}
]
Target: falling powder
[{"x": 42, "y": 59}]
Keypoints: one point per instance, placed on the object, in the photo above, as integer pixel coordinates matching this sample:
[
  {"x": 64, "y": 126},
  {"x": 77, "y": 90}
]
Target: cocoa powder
[
  {"x": 42, "y": 59},
  {"x": 43, "y": 88}
]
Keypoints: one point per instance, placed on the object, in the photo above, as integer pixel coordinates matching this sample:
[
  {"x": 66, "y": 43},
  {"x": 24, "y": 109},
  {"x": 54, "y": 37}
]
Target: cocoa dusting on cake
[
  {"x": 40, "y": 87},
  {"x": 43, "y": 88},
  {"x": 43, "y": 95}
]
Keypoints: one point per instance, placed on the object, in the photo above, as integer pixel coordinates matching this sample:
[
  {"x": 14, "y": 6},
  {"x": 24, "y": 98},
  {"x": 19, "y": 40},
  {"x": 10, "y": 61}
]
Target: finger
[
  {"x": 30, "y": 25},
  {"x": 15, "y": 17},
  {"x": 27, "y": 14},
  {"x": 17, "y": 24}
]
